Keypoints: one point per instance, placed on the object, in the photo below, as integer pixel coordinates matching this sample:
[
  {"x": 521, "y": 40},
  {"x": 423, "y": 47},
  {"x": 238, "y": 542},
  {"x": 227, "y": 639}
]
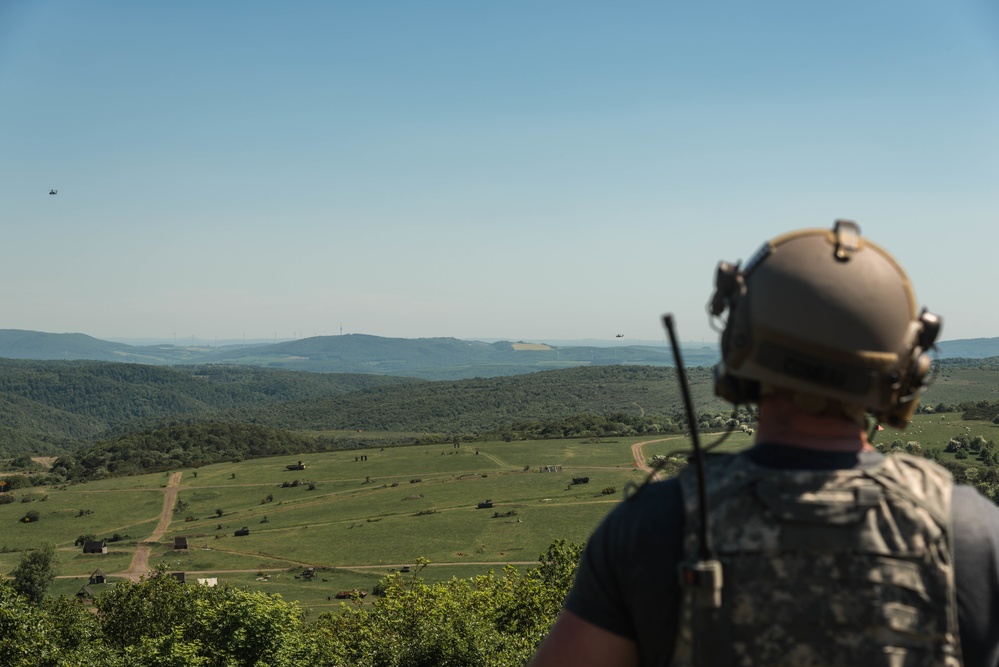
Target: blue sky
[{"x": 522, "y": 170}]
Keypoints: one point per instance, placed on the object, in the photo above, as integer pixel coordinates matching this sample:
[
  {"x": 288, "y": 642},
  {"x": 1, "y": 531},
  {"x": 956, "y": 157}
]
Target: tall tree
[{"x": 35, "y": 572}]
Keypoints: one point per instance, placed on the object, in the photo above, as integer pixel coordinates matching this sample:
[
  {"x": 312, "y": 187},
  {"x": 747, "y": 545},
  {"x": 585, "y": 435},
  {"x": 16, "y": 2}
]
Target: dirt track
[
  {"x": 639, "y": 455},
  {"x": 140, "y": 562}
]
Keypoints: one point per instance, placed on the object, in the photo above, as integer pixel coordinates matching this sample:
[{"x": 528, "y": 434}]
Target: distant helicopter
[
  {"x": 53, "y": 192},
  {"x": 619, "y": 336}
]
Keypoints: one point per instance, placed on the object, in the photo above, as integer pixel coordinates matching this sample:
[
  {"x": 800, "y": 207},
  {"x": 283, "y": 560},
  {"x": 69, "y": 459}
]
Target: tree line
[{"x": 492, "y": 619}]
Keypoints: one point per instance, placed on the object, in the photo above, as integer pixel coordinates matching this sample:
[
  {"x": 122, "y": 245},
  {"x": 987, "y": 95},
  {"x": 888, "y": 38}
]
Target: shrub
[{"x": 609, "y": 490}]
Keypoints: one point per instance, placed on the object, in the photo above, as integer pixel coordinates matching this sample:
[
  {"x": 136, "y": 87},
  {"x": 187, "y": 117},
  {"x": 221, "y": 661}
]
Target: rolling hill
[{"x": 427, "y": 358}]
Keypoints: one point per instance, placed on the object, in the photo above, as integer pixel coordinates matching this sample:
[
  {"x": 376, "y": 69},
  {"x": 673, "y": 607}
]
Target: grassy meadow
[
  {"x": 356, "y": 515},
  {"x": 358, "y": 520}
]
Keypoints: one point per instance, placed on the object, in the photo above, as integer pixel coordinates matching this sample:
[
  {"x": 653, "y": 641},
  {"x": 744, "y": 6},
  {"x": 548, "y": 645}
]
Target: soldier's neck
[{"x": 782, "y": 423}]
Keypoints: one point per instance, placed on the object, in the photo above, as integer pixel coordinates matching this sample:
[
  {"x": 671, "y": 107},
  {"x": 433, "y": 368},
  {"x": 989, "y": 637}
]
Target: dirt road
[
  {"x": 140, "y": 562},
  {"x": 639, "y": 455}
]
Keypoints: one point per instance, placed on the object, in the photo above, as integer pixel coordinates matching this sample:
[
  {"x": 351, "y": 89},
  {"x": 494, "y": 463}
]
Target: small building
[
  {"x": 180, "y": 543},
  {"x": 98, "y": 577},
  {"x": 95, "y": 547},
  {"x": 85, "y": 593},
  {"x": 346, "y": 595},
  {"x": 209, "y": 581},
  {"x": 179, "y": 576},
  {"x": 242, "y": 531}
]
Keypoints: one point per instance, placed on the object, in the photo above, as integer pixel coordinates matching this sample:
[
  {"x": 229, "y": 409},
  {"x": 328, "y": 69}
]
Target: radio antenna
[
  {"x": 705, "y": 548},
  {"x": 703, "y": 577}
]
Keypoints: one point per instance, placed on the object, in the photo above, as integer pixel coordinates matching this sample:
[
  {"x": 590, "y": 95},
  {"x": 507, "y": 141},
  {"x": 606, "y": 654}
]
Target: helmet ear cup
[
  {"x": 733, "y": 389},
  {"x": 730, "y": 294},
  {"x": 906, "y": 391}
]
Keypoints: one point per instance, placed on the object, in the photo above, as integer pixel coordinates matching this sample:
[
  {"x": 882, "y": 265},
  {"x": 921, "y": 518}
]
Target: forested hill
[
  {"x": 583, "y": 402},
  {"x": 483, "y": 404},
  {"x": 18, "y": 344},
  {"x": 50, "y": 406}
]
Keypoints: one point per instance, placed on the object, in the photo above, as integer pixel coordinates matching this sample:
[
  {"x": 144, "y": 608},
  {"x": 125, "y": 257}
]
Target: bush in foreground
[{"x": 159, "y": 622}]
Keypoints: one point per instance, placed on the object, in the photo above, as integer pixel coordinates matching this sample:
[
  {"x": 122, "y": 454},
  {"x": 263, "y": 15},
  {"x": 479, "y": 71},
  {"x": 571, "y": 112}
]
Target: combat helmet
[{"x": 823, "y": 313}]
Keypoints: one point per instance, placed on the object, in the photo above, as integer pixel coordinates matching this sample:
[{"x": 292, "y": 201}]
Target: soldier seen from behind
[{"x": 817, "y": 550}]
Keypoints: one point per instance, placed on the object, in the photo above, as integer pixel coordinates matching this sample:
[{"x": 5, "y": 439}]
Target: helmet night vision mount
[{"x": 824, "y": 313}]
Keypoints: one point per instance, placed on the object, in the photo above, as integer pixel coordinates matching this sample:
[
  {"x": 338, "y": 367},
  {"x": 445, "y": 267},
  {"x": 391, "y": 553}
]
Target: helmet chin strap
[{"x": 815, "y": 404}]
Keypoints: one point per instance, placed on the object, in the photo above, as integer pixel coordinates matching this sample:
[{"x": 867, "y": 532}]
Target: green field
[
  {"x": 357, "y": 520},
  {"x": 933, "y": 431},
  {"x": 360, "y": 519}
]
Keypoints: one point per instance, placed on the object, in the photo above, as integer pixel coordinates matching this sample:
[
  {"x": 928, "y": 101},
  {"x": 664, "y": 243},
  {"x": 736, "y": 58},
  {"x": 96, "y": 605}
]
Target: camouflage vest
[{"x": 842, "y": 568}]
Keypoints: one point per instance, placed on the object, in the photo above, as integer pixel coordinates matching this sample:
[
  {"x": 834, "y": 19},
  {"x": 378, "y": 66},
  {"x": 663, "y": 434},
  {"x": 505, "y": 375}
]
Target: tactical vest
[{"x": 841, "y": 568}]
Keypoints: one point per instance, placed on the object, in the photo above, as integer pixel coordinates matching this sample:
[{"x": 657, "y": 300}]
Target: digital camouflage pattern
[{"x": 840, "y": 568}]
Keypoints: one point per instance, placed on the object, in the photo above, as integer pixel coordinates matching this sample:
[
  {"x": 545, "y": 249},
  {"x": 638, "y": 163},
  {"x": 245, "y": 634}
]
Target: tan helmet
[{"x": 824, "y": 313}]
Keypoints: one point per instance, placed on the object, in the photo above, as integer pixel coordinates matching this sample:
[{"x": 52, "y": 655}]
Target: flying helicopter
[
  {"x": 619, "y": 336},
  {"x": 53, "y": 192}
]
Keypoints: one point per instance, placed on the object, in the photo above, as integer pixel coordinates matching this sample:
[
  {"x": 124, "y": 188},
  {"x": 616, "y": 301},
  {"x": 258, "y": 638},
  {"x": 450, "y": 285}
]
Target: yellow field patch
[{"x": 530, "y": 346}]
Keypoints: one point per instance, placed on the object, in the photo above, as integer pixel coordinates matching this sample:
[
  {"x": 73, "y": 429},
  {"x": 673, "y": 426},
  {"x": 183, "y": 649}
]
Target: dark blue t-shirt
[{"x": 627, "y": 579}]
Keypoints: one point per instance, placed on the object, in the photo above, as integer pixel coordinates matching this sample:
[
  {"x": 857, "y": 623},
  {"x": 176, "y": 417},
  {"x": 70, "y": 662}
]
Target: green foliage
[
  {"x": 219, "y": 625},
  {"x": 75, "y": 629},
  {"x": 26, "y": 635},
  {"x": 486, "y": 620},
  {"x": 589, "y": 425},
  {"x": 492, "y": 405},
  {"x": 981, "y": 410},
  {"x": 182, "y": 445},
  {"x": 35, "y": 572},
  {"x": 24, "y": 461}
]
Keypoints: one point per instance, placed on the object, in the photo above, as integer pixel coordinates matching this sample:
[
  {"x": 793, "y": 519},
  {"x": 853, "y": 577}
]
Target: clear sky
[{"x": 521, "y": 170}]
